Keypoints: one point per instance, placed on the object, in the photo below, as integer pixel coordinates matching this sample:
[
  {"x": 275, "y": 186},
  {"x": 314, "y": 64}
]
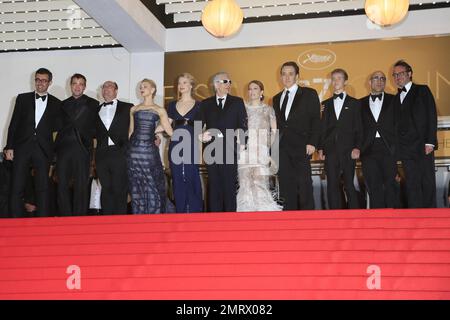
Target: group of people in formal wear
[{"x": 67, "y": 139}]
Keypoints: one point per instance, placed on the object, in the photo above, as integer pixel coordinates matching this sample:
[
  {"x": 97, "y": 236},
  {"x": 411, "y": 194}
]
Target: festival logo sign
[{"x": 316, "y": 59}]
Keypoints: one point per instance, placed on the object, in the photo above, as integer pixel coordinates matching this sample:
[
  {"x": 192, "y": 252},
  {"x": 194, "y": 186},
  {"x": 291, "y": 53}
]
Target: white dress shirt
[
  {"x": 223, "y": 101},
  {"x": 375, "y": 107},
  {"x": 403, "y": 93},
  {"x": 338, "y": 104},
  {"x": 40, "y": 107},
  {"x": 107, "y": 114},
  {"x": 292, "y": 93}
]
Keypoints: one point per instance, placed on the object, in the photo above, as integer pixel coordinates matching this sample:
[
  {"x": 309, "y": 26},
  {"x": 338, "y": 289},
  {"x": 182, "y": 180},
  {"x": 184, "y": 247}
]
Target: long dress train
[
  {"x": 254, "y": 165},
  {"x": 145, "y": 170}
]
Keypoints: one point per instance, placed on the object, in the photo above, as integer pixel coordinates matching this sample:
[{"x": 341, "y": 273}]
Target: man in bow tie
[
  {"x": 340, "y": 143},
  {"x": 110, "y": 155},
  {"x": 416, "y": 120},
  {"x": 378, "y": 160},
  {"x": 30, "y": 143}
]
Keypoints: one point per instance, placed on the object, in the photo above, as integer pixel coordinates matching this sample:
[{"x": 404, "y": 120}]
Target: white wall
[
  {"x": 346, "y": 28},
  {"x": 98, "y": 65}
]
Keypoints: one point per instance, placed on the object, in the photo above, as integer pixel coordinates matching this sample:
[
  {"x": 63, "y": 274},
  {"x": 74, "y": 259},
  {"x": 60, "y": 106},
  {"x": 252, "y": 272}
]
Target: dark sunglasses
[{"x": 225, "y": 81}]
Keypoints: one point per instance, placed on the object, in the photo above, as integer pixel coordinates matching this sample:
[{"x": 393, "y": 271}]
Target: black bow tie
[
  {"x": 41, "y": 97},
  {"x": 108, "y": 103},
  {"x": 376, "y": 96},
  {"x": 340, "y": 95},
  {"x": 402, "y": 89}
]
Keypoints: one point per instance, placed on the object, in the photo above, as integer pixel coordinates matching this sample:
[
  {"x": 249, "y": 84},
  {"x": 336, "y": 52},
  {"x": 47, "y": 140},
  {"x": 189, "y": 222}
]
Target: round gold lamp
[
  {"x": 386, "y": 12},
  {"x": 222, "y": 18}
]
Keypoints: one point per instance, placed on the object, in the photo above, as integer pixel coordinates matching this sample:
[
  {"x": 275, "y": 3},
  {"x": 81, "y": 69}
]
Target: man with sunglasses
[
  {"x": 416, "y": 123},
  {"x": 221, "y": 115},
  {"x": 378, "y": 160},
  {"x": 30, "y": 143}
]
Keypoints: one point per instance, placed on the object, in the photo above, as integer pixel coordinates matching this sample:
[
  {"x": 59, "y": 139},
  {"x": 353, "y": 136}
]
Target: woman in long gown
[
  {"x": 255, "y": 164},
  {"x": 185, "y": 172},
  {"x": 145, "y": 171}
]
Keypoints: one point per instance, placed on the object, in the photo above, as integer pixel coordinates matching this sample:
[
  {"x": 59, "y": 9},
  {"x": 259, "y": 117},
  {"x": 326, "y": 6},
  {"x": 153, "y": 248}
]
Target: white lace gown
[{"x": 254, "y": 165}]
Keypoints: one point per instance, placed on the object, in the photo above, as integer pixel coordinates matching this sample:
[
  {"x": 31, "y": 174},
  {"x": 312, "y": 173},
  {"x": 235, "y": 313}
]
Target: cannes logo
[{"x": 316, "y": 59}]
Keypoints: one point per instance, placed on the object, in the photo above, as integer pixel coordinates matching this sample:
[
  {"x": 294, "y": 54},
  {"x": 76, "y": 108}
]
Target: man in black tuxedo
[
  {"x": 221, "y": 115},
  {"x": 30, "y": 143},
  {"x": 74, "y": 144},
  {"x": 416, "y": 120},
  {"x": 297, "y": 110},
  {"x": 341, "y": 141},
  {"x": 378, "y": 160},
  {"x": 110, "y": 156}
]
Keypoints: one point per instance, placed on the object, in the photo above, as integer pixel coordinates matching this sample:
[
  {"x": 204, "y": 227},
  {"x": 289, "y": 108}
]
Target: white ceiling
[
  {"x": 191, "y": 10},
  {"x": 48, "y": 24},
  {"x": 54, "y": 24}
]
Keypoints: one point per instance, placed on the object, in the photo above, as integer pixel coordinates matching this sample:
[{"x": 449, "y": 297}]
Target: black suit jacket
[
  {"x": 345, "y": 134},
  {"x": 303, "y": 124},
  {"x": 118, "y": 131},
  {"x": 423, "y": 109},
  {"x": 232, "y": 116},
  {"x": 22, "y": 126},
  {"x": 385, "y": 124},
  {"x": 83, "y": 124}
]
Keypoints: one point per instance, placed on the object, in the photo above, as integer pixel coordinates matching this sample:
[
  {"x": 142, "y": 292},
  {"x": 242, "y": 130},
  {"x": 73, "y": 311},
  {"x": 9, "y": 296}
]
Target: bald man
[
  {"x": 378, "y": 150},
  {"x": 110, "y": 158}
]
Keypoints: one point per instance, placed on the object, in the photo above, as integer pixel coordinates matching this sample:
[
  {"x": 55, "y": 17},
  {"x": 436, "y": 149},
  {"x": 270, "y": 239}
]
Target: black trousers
[
  {"x": 294, "y": 175},
  {"x": 379, "y": 169},
  {"x": 5, "y": 187},
  {"x": 420, "y": 181},
  {"x": 72, "y": 169},
  {"x": 222, "y": 187},
  {"x": 27, "y": 156},
  {"x": 111, "y": 166},
  {"x": 337, "y": 166}
]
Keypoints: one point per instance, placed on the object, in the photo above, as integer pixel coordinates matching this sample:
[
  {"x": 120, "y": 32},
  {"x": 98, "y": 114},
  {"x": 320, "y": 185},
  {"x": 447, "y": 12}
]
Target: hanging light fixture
[
  {"x": 222, "y": 18},
  {"x": 386, "y": 12}
]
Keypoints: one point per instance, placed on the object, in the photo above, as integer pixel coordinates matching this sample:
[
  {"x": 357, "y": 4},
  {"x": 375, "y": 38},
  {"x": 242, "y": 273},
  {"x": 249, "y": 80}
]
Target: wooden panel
[
  {"x": 48, "y": 24},
  {"x": 191, "y": 11},
  {"x": 61, "y": 43},
  {"x": 52, "y": 25},
  {"x": 43, "y": 16},
  {"x": 53, "y": 34},
  {"x": 36, "y": 5}
]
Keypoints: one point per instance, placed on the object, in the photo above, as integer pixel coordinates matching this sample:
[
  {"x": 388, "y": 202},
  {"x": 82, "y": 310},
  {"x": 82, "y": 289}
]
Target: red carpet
[{"x": 295, "y": 255}]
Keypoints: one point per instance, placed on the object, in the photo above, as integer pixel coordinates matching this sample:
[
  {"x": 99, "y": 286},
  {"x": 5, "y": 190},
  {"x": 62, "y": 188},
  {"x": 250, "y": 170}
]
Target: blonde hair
[
  {"x": 152, "y": 84},
  {"x": 188, "y": 76}
]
